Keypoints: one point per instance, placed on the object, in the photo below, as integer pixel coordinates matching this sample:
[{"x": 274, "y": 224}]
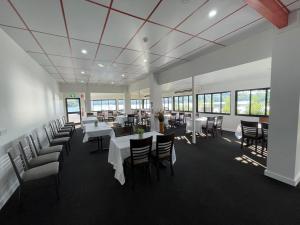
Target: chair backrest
[
  {"x": 140, "y": 150},
  {"x": 26, "y": 150},
  {"x": 219, "y": 121},
  {"x": 110, "y": 113},
  {"x": 47, "y": 133},
  {"x": 265, "y": 129},
  {"x": 89, "y": 114},
  {"x": 34, "y": 143},
  {"x": 130, "y": 118},
  {"x": 249, "y": 128},
  {"x": 164, "y": 145},
  {"x": 210, "y": 122},
  {"x": 18, "y": 162}
]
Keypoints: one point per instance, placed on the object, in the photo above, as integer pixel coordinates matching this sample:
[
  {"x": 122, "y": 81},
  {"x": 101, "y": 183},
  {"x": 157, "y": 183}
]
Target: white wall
[{"x": 29, "y": 97}]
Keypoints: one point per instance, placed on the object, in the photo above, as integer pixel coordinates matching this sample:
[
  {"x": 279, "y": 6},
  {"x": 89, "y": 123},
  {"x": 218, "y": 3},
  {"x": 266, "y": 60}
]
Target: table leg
[{"x": 100, "y": 145}]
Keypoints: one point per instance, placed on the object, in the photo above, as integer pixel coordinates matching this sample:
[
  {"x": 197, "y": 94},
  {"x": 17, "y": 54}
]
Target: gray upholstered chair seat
[
  {"x": 61, "y": 140},
  {"x": 44, "y": 159},
  {"x": 51, "y": 149},
  {"x": 62, "y": 134},
  {"x": 50, "y": 169},
  {"x": 161, "y": 156}
]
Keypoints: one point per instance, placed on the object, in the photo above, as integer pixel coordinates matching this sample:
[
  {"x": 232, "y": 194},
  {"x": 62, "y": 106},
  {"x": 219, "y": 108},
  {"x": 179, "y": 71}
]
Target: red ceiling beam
[{"x": 273, "y": 10}]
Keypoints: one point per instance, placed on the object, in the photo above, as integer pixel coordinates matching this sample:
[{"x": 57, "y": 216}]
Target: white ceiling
[
  {"x": 54, "y": 32},
  {"x": 249, "y": 71}
]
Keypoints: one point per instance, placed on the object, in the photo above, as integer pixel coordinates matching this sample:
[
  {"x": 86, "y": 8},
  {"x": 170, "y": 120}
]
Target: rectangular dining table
[{"x": 119, "y": 150}]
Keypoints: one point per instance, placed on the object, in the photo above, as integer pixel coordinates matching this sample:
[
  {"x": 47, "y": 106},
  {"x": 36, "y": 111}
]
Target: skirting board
[
  {"x": 6, "y": 195},
  {"x": 276, "y": 176}
]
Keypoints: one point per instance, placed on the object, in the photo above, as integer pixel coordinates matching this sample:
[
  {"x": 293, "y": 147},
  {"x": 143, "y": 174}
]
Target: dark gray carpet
[{"x": 215, "y": 182}]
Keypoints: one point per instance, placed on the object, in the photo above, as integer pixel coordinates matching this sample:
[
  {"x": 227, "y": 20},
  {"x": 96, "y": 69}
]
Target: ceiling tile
[
  {"x": 172, "y": 12},
  {"x": 200, "y": 20},
  {"x": 162, "y": 61},
  {"x": 53, "y": 44},
  {"x": 294, "y": 6},
  {"x": 140, "y": 8},
  {"x": 87, "y": 27},
  {"x": 107, "y": 53},
  {"x": 49, "y": 12},
  {"x": 82, "y": 63},
  {"x": 120, "y": 29},
  {"x": 237, "y": 20},
  {"x": 152, "y": 32},
  {"x": 77, "y": 46},
  {"x": 146, "y": 56},
  {"x": 42, "y": 59},
  {"x": 128, "y": 56},
  {"x": 194, "y": 43},
  {"x": 169, "y": 42},
  {"x": 23, "y": 38},
  {"x": 61, "y": 61},
  {"x": 103, "y": 2},
  {"x": 50, "y": 69},
  {"x": 8, "y": 15}
]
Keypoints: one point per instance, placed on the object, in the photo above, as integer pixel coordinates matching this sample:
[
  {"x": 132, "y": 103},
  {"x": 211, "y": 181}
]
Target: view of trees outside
[
  {"x": 135, "y": 103},
  {"x": 258, "y": 102},
  {"x": 190, "y": 103},
  {"x": 216, "y": 100},
  {"x": 121, "y": 104},
  {"x": 257, "y": 105},
  {"x": 104, "y": 104},
  {"x": 146, "y": 104},
  {"x": 200, "y": 103},
  {"x": 225, "y": 104},
  {"x": 207, "y": 103},
  {"x": 182, "y": 103},
  {"x": 73, "y": 105}
]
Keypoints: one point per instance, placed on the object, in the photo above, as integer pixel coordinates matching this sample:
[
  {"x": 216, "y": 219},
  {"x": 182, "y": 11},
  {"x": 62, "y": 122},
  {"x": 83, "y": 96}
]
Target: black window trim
[
  {"x": 211, "y": 99},
  {"x": 104, "y": 99},
  {"x": 183, "y": 102},
  {"x": 252, "y": 89},
  {"x": 163, "y": 103}
]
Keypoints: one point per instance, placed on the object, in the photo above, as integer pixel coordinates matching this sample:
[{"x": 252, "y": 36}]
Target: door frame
[{"x": 66, "y": 102}]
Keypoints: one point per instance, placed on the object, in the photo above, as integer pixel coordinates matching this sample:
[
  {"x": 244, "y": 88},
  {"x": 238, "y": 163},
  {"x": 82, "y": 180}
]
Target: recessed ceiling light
[
  {"x": 100, "y": 65},
  {"x": 123, "y": 75},
  {"x": 145, "y": 60},
  {"x": 83, "y": 51},
  {"x": 112, "y": 82},
  {"x": 212, "y": 13},
  {"x": 82, "y": 72},
  {"x": 81, "y": 81}
]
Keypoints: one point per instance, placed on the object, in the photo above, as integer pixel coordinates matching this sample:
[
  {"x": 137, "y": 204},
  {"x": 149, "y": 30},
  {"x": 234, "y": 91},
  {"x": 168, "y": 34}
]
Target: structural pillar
[
  {"x": 87, "y": 95},
  {"x": 194, "y": 111},
  {"x": 127, "y": 103},
  {"x": 155, "y": 101},
  {"x": 283, "y": 161}
]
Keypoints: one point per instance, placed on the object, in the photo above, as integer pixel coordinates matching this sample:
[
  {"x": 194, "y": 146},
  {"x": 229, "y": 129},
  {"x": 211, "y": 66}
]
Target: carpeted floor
[{"x": 215, "y": 182}]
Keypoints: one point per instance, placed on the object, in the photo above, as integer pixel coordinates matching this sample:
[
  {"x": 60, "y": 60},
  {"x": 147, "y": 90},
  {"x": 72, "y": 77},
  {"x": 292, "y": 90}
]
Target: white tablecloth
[
  {"x": 238, "y": 131},
  {"x": 102, "y": 129},
  {"x": 87, "y": 120},
  {"x": 167, "y": 117},
  {"x": 121, "y": 120},
  {"x": 119, "y": 149},
  {"x": 198, "y": 124}
]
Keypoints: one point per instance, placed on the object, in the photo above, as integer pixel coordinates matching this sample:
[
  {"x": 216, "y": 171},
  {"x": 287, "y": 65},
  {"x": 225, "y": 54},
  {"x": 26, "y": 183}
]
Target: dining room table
[
  {"x": 121, "y": 119},
  {"x": 199, "y": 122},
  {"x": 97, "y": 131},
  {"x": 119, "y": 150},
  {"x": 89, "y": 119}
]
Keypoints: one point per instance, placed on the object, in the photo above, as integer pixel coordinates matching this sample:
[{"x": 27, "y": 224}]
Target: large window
[
  {"x": 183, "y": 103},
  {"x": 146, "y": 103},
  {"x": 104, "y": 104},
  {"x": 135, "y": 103},
  {"x": 218, "y": 103},
  {"x": 255, "y": 102},
  {"x": 121, "y": 104},
  {"x": 167, "y": 103}
]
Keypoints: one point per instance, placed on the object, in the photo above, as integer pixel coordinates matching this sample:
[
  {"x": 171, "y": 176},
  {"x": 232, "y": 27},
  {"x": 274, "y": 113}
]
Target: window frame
[
  {"x": 250, "y": 98},
  {"x": 170, "y": 99},
  {"x": 190, "y": 98},
  {"x": 211, "y": 102},
  {"x": 138, "y": 102},
  {"x": 101, "y": 100}
]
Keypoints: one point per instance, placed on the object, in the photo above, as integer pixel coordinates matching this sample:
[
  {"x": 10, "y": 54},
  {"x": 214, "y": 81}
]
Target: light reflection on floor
[{"x": 247, "y": 160}]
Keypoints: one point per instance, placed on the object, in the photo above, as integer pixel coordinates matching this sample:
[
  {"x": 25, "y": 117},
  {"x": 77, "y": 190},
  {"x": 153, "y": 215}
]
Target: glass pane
[
  {"x": 243, "y": 102},
  {"x": 180, "y": 103},
  {"x": 185, "y": 103},
  {"x": 176, "y": 103},
  {"x": 207, "y": 103},
  {"x": 225, "y": 104},
  {"x": 132, "y": 104},
  {"x": 96, "y": 105},
  {"x": 190, "y": 103},
  {"x": 121, "y": 104},
  {"x": 112, "y": 104},
  {"x": 200, "y": 103},
  {"x": 105, "y": 105},
  {"x": 258, "y": 102},
  {"x": 74, "y": 117},
  {"x": 73, "y": 105},
  {"x": 268, "y": 102},
  {"x": 216, "y": 98},
  {"x": 170, "y": 104}
]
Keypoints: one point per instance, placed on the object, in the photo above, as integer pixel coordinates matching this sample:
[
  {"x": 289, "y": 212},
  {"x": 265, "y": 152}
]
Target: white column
[
  {"x": 127, "y": 103},
  {"x": 155, "y": 101},
  {"x": 283, "y": 162},
  {"x": 194, "y": 110},
  {"x": 140, "y": 107},
  {"x": 87, "y": 96}
]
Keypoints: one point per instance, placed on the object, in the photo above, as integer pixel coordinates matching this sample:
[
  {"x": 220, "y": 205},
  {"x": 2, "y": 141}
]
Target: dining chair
[
  {"x": 163, "y": 152},
  {"x": 172, "y": 120},
  {"x": 63, "y": 128},
  {"x": 27, "y": 175},
  {"x": 250, "y": 133},
  {"x": 89, "y": 114},
  {"x": 181, "y": 118},
  {"x": 65, "y": 141},
  {"x": 218, "y": 125},
  {"x": 264, "y": 131},
  {"x": 209, "y": 126},
  {"x": 130, "y": 120},
  {"x": 58, "y": 133},
  {"x": 140, "y": 153},
  {"x": 32, "y": 159},
  {"x": 123, "y": 131},
  {"x": 110, "y": 116}
]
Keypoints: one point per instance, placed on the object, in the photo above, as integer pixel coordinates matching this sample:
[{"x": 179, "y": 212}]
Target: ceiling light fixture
[
  {"x": 112, "y": 82},
  {"x": 212, "y": 13},
  {"x": 145, "y": 60},
  {"x": 82, "y": 72},
  {"x": 83, "y": 51},
  {"x": 123, "y": 75},
  {"x": 100, "y": 65},
  {"x": 82, "y": 81}
]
